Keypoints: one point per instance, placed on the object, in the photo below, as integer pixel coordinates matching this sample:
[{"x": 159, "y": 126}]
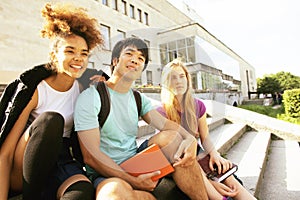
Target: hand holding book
[
  {"x": 149, "y": 160},
  {"x": 213, "y": 174}
]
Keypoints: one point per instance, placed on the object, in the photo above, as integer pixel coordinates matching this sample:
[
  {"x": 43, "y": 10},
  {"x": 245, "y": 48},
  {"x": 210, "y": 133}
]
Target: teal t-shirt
[{"x": 119, "y": 132}]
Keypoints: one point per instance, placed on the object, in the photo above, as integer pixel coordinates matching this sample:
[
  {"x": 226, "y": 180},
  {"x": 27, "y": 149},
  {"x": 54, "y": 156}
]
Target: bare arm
[
  {"x": 186, "y": 152},
  {"x": 104, "y": 165},
  {"x": 215, "y": 157},
  {"x": 7, "y": 151}
]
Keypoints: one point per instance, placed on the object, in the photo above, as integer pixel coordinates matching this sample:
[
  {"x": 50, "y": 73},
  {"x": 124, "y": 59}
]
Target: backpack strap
[
  {"x": 138, "y": 101},
  {"x": 105, "y": 102}
]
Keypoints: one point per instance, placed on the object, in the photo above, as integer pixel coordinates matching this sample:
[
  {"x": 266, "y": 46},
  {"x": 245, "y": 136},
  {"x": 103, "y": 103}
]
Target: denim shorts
[{"x": 64, "y": 168}]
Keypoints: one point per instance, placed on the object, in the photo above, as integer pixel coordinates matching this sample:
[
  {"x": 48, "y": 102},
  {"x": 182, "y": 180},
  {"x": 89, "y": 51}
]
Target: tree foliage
[{"x": 277, "y": 82}]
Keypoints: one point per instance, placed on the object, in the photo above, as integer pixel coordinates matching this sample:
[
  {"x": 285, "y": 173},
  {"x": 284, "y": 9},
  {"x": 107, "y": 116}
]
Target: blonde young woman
[
  {"x": 179, "y": 105},
  {"x": 36, "y": 113}
]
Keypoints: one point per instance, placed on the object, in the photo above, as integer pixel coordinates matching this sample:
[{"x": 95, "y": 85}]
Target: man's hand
[{"x": 145, "y": 182}]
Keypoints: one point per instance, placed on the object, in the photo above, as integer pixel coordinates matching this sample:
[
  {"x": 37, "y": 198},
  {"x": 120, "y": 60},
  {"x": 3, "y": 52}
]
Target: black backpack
[{"x": 105, "y": 102}]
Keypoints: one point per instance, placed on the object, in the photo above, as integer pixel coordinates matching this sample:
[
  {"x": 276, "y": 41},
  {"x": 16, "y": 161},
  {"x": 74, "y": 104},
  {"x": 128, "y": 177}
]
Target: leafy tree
[
  {"x": 277, "y": 82},
  {"x": 287, "y": 80},
  {"x": 267, "y": 85}
]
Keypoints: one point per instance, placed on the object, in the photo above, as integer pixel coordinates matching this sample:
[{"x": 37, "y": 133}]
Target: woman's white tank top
[{"x": 50, "y": 99}]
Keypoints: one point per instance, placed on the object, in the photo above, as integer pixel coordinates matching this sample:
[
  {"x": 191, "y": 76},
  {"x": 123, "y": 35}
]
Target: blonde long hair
[{"x": 171, "y": 103}]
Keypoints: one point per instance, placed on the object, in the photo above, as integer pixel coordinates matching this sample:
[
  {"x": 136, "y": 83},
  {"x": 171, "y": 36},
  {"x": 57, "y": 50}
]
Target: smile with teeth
[{"x": 76, "y": 66}]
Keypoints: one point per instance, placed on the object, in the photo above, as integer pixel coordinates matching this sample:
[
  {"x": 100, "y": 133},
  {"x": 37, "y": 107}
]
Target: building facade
[{"x": 170, "y": 33}]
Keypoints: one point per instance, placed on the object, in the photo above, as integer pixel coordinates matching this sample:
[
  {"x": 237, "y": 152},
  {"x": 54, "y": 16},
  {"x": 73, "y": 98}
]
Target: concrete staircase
[{"x": 243, "y": 143}]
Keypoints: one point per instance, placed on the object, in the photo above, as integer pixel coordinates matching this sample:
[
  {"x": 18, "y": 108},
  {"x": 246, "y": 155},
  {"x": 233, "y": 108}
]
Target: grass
[
  {"x": 277, "y": 113},
  {"x": 265, "y": 110}
]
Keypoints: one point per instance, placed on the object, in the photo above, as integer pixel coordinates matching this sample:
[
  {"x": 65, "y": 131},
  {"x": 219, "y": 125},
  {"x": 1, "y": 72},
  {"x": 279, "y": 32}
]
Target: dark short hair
[{"x": 132, "y": 41}]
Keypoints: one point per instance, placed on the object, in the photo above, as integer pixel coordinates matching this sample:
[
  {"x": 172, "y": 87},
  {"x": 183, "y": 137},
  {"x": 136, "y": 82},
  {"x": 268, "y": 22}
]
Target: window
[
  {"x": 104, "y": 2},
  {"x": 139, "y": 15},
  {"x": 114, "y": 4},
  {"x": 148, "y": 44},
  {"x": 183, "y": 48},
  {"x": 149, "y": 77},
  {"x": 146, "y": 18},
  {"x": 123, "y": 7},
  {"x": 131, "y": 11},
  {"x": 105, "y": 30},
  {"x": 138, "y": 81},
  {"x": 91, "y": 65},
  {"x": 119, "y": 36}
]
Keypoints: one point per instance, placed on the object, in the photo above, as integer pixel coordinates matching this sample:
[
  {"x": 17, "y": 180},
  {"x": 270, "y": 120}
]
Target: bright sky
[{"x": 265, "y": 33}]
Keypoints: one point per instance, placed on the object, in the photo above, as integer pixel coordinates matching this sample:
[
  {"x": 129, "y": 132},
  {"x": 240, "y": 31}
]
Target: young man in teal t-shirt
[{"x": 104, "y": 148}]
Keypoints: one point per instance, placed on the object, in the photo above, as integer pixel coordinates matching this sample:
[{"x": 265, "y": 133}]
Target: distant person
[
  {"x": 105, "y": 148},
  {"x": 179, "y": 105},
  {"x": 36, "y": 113}
]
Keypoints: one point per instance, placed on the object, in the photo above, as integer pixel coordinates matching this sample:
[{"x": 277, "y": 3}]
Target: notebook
[
  {"x": 213, "y": 175},
  {"x": 149, "y": 160}
]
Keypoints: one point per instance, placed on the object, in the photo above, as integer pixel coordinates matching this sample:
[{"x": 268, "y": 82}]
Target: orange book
[{"x": 149, "y": 160}]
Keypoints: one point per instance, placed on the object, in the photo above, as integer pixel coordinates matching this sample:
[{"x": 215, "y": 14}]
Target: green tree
[
  {"x": 277, "y": 82},
  {"x": 268, "y": 85},
  {"x": 287, "y": 80}
]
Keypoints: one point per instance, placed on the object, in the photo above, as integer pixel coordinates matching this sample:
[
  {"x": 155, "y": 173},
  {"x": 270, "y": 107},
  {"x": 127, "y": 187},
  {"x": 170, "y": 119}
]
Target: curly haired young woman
[{"x": 36, "y": 113}]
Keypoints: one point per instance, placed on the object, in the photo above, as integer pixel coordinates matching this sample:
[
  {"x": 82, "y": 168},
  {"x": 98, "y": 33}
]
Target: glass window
[
  {"x": 123, "y": 7},
  {"x": 114, "y": 4},
  {"x": 146, "y": 18},
  {"x": 139, "y": 15},
  {"x": 148, "y": 44},
  {"x": 104, "y": 2},
  {"x": 190, "y": 41},
  {"x": 138, "y": 81},
  {"x": 182, "y": 54},
  {"x": 105, "y": 30},
  {"x": 91, "y": 65},
  {"x": 119, "y": 36},
  {"x": 131, "y": 11},
  {"x": 163, "y": 54},
  {"x": 181, "y": 43},
  {"x": 191, "y": 55},
  {"x": 149, "y": 77},
  {"x": 172, "y": 45}
]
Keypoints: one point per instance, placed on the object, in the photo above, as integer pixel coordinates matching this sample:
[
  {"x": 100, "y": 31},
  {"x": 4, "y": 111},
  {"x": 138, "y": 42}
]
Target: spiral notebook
[{"x": 149, "y": 160}]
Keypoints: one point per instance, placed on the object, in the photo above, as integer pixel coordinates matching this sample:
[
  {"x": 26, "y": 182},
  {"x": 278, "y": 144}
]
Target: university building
[{"x": 171, "y": 31}]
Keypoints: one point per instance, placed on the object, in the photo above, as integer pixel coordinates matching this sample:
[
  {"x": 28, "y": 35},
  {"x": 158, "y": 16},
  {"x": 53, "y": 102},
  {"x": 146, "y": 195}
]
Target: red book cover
[
  {"x": 213, "y": 175},
  {"x": 149, "y": 160}
]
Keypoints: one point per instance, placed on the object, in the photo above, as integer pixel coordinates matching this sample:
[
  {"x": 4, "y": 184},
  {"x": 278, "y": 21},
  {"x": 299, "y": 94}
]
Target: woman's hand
[
  {"x": 97, "y": 78},
  {"x": 228, "y": 191},
  {"x": 222, "y": 163}
]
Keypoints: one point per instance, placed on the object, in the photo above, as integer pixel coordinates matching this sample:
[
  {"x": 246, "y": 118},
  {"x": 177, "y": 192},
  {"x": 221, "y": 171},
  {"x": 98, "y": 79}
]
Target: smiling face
[
  {"x": 179, "y": 82},
  {"x": 71, "y": 56},
  {"x": 130, "y": 64}
]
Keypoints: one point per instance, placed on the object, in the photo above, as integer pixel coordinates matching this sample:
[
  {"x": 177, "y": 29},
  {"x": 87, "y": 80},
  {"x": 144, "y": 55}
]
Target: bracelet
[{"x": 224, "y": 198}]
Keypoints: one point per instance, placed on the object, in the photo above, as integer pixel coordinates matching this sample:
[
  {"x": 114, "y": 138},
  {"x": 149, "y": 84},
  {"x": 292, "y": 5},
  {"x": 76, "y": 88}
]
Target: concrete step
[
  {"x": 225, "y": 136},
  {"x": 215, "y": 122},
  {"x": 281, "y": 177},
  {"x": 250, "y": 153}
]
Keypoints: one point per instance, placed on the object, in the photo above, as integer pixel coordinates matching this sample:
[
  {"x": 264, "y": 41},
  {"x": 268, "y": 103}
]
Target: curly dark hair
[{"x": 66, "y": 19}]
